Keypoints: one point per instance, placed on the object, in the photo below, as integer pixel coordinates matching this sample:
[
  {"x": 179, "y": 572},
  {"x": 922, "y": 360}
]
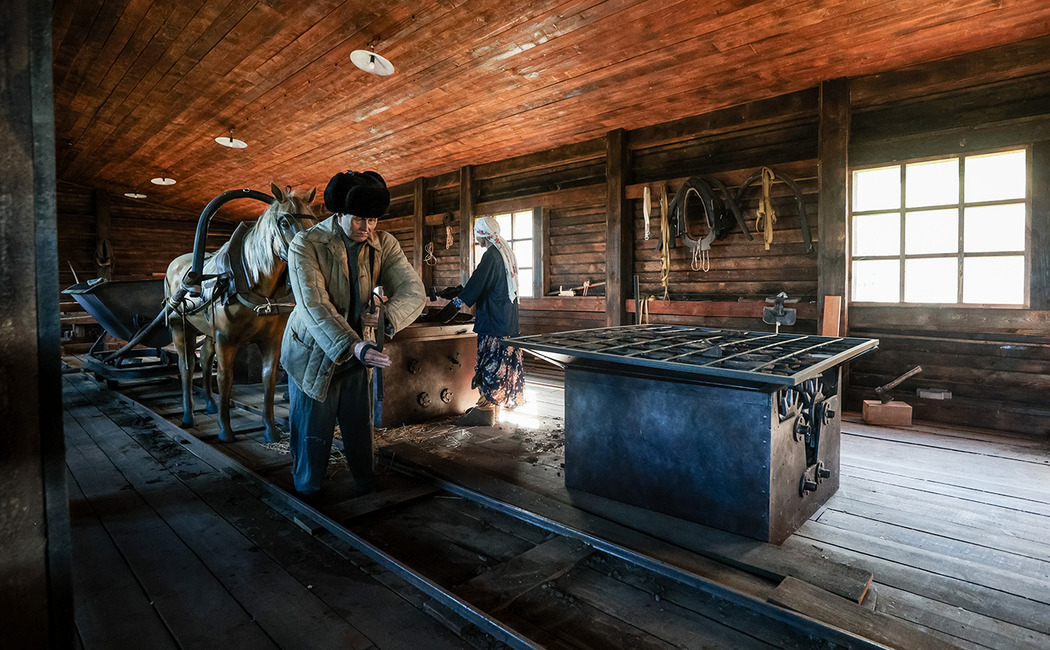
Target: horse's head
[{"x": 290, "y": 214}]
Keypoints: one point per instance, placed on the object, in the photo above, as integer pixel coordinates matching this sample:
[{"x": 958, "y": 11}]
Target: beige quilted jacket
[{"x": 318, "y": 336}]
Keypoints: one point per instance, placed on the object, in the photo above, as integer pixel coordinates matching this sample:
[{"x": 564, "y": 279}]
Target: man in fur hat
[{"x": 334, "y": 268}]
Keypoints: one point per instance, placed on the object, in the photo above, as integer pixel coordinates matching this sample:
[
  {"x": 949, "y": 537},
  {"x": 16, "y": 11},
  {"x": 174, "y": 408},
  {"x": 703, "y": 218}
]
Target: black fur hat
[{"x": 362, "y": 194}]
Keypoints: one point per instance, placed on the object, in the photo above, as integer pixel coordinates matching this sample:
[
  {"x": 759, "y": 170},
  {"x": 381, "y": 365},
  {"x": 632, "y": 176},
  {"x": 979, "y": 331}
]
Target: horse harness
[
  {"x": 717, "y": 222},
  {"x": 767, "y": 175},
  {"x": 231, "y": 280},
  {"x": 718, "y": 203}
]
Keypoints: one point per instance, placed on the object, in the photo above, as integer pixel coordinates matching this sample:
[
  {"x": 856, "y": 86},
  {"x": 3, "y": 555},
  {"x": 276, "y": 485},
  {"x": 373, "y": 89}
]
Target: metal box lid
[{"x": 728, "y": 356}]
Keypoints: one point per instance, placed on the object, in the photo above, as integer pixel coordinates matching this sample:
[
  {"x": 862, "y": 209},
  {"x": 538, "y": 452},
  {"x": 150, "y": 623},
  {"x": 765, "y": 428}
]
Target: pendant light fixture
[
  {"x": 163, "y": 180},
  {"x": 231, "y": 142},
  {"x": 372, "y": 63},
  {"x": 135, "y": 195}
]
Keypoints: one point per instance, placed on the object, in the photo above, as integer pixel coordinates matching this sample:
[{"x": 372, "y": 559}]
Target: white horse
[{"x": 248, "y": 302}]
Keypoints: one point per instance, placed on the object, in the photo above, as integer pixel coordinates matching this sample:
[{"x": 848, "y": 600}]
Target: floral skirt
[{"x": 499, "y": 374}]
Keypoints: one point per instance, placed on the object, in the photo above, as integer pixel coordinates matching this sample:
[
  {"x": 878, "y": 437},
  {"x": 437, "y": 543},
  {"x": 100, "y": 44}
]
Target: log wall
[
  {"x": 995, "y": 361},
  {"x": 144, "y": 238}
]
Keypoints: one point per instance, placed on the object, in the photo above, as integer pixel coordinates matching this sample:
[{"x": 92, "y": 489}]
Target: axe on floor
[{"x": 885, "y": 411}]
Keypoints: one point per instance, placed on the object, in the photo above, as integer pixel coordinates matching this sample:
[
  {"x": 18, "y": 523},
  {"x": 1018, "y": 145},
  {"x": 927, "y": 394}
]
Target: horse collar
[{"x": 236, "y": 266}]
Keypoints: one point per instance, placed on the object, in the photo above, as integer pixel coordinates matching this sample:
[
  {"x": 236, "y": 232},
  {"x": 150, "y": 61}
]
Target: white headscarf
[{"x": 488, "y": 228}]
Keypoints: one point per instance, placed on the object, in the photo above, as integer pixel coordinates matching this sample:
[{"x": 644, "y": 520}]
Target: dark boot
[{"x": 477, "y": 417}]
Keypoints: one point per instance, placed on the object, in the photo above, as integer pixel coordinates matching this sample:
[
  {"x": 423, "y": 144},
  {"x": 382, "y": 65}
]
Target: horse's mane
[{"x": 263, "y": 246}]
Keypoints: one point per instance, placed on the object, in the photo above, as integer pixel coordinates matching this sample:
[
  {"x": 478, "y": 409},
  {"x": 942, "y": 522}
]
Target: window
[
  {"x": 516, "y": 228},
  {"x": 950, "y": 230}
]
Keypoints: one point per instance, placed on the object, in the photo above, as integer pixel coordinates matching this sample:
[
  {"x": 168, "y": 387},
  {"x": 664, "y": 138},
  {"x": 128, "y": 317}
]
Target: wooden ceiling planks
[{"x": 142, "y": 86}]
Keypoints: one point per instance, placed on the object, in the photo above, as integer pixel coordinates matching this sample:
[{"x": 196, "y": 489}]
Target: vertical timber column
[
  {"x": 103, "y": 252},
  {"x": 541, "y": 236},
  {"x": 466, "y": 220},
  {"x": 419, "y": 197},
  {"x": 832, "y": 206},
  {"x": 1039, "y": 289},
  {"x": 619, "y": 245},
  {"x": 35, "y": 576}
]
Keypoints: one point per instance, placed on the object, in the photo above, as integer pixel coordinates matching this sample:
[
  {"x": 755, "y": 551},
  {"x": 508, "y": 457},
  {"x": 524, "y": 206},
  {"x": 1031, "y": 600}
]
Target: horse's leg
[
  {"x": 227, "y": 351},
  {"x": 207, "y": 363},
  {"x": 184, "y": 347},
  {"x": 271, "y": 355}
]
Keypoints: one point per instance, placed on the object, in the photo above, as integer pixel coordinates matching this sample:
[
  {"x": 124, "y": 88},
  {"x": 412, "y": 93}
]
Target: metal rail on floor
[
  {"x": 468, "y": 612},
  {"x": 216, "y": 458}
]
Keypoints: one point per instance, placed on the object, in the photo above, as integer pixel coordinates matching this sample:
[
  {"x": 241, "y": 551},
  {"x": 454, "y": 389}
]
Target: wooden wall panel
[
  {"x": 558, "y": 314},
  {"x": 536, "y": 181},
  {"x": 144, "y": 238},
  {"x": 446, "y": 265},
  {"x": 995, "y": 362},
  {"x": 739, "y": 269},
  {"x": 577, "y": 248},
  {"x": 402, "y": 229}
]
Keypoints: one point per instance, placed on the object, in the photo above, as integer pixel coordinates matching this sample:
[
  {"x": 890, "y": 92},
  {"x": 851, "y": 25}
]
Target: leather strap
[{"x": 799, "y": 203}]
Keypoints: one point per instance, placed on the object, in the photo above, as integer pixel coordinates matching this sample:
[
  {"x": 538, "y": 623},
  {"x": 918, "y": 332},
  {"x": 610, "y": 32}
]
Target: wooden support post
[
  {"x": 541, "y": 231},
  {"x": 619, "y": 246},
  {"x": 466, "y": 221},
  {"x": 832, "y": 208},
  {"x": 36, "y": 599},
  {"x": 103, "y": 250},
  {"x": 1039, "y": 287},
  {"x": 419, "y": 212}
]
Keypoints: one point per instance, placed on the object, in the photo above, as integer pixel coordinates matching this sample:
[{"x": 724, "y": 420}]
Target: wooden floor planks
[
  {"x": 954, "y": 524},
  {"x": 104, "y": 583},
  {"x": 217, "y": 567}
]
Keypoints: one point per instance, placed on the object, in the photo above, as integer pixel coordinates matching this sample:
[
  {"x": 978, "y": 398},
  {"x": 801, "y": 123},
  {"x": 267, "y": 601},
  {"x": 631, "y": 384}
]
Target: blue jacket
[{"x": 495, "y": 314}]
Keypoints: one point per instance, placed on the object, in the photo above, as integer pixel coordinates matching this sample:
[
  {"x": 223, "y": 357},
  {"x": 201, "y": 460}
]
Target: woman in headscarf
[{"x": 493, "y": 290}]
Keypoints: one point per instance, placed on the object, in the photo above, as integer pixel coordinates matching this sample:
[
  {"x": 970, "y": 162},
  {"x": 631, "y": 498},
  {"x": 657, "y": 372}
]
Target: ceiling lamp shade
[
  {"x": 372, "y": 63},
  {"x": 162, "y": 180},
  {"x": 231, "y": 142},
  {"x": 134, "y": 195}
]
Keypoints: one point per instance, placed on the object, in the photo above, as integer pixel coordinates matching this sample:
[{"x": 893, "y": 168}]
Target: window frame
[{"x": 960, "y": 206}]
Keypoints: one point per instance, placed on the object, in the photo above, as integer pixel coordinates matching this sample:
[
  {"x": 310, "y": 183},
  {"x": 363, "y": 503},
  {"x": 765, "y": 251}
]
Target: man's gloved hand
[{"x": 447, "y": 313}]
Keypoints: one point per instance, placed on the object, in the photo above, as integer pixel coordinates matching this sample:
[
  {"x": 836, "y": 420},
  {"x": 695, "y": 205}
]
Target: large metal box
[
  {"x": 716, "y": 455},
  {"x": 430, "y": 373},
  {"x": 735, "y": 430}
]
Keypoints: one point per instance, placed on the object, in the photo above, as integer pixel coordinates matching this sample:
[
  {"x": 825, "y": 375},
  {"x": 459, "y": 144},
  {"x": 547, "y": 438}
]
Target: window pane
[
  {"x": 523, "y": 251},
  {"x": 995, "y": 176},
  {"x": 525, "y": 283},
  {"x": 523, "y": 224},
  {"x": 876, "y": 281},
  {"x": 931, "y": 231},
  {"x": 505, "y": 225},
  {"x": 877, "y": 234},
  {"x": 877, "y": 189},
  {"x": 931, "y": 280},
  {"x": 994, "y": 228},
  {"x": 994, "y": 280},
  {"x": 931, "y": 183}
]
